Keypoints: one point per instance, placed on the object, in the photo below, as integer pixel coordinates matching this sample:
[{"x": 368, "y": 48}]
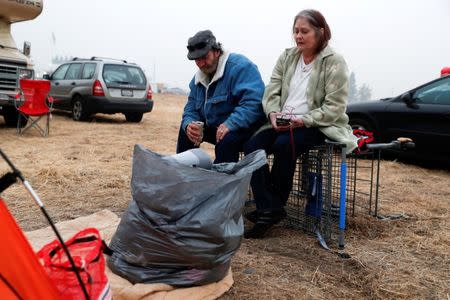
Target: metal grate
[
  {"x": 8, "y": 77},
  {"x": 364, "y": 198},
  {"x": 318, "y": 167}
]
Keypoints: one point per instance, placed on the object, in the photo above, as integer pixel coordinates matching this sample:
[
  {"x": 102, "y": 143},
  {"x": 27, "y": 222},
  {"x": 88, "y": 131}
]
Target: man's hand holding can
[{"x": 195, "y": 132}]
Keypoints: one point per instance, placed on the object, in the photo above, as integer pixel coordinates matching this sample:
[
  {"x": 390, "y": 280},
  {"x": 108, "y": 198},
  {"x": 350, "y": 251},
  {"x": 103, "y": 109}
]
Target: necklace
[{"x": 305, "y": 67}]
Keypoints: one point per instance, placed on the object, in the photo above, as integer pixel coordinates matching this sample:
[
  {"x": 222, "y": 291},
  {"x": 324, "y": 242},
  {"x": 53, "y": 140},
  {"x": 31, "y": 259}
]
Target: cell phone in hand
[{"x": 283, "y": 122}]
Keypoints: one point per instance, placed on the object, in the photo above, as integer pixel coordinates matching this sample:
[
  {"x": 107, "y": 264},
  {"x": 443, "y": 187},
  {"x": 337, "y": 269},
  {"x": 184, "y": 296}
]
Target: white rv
[{"x": 14, "y": 64}]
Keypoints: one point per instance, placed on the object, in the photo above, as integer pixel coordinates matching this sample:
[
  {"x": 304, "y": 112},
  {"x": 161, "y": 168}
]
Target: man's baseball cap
[{"x": 199, "y": 45}]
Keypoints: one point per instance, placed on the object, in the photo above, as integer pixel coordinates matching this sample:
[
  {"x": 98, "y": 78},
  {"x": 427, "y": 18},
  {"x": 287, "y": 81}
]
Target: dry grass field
[{"x": 82, "y": 168}]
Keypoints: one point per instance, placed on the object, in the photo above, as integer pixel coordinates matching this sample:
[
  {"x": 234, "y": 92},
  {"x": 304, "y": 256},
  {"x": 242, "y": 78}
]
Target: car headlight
[{"x": 25, "y": 74}]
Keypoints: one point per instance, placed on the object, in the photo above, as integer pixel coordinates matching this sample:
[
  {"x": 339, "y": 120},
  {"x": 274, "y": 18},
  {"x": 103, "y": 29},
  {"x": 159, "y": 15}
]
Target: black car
[{"x": 422, "y": 114}]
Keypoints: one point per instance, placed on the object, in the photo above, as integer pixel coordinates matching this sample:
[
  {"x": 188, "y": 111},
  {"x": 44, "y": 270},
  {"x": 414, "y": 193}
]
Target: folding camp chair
[{"x": 33, "y": 105}]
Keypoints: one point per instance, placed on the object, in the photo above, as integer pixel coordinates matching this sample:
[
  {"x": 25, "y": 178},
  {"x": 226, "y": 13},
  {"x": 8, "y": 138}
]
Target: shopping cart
[
  {"x": 330, "y": 185},
  {"x": 349, "y": 185}
]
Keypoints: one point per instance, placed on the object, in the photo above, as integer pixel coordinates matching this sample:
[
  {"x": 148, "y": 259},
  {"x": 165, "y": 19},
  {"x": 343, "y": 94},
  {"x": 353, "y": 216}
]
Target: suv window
[
  {"x": 123, "y": 74},
  {"x": 60, "y": 72},
  {"x": 88, "y": 71},
  {"x": 73, "y": 72}
]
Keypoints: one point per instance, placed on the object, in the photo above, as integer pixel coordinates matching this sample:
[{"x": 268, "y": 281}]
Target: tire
[
  {"x": 11, "y": 115},
  {"x": 79, "y": 109},
  {"x": 134, "y": 117}
]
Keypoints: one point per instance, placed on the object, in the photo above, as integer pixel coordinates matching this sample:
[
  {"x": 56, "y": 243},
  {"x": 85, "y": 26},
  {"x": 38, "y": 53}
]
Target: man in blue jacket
[{"x": 225, "y": 95}]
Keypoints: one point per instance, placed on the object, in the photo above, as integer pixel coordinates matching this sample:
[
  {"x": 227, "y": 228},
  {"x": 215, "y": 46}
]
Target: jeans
[
  {"x": 227, "y": 150},
  {"x": 271, "y": 188}
]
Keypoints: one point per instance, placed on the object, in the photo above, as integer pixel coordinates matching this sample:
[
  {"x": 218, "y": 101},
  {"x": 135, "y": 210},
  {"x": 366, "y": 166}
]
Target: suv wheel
[
  {"x": 11, "y": 116},
  {"x": 134, "y": 117},
  {"x": 79, "y": 112}
]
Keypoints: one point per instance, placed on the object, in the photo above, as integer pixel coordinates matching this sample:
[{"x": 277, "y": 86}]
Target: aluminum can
[{"x": 201, "y": 126}]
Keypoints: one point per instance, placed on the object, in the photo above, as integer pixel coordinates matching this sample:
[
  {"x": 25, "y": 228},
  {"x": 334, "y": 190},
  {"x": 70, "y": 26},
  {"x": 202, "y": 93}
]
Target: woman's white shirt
[{"x": 296, "y": 103}]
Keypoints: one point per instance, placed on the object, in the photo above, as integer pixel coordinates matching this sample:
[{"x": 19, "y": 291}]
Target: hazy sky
[{"x": 390, "y": 45}]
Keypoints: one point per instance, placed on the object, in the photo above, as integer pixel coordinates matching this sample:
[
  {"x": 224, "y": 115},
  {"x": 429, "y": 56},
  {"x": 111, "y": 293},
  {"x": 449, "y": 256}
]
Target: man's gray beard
[{"x": 212, "y": 70}]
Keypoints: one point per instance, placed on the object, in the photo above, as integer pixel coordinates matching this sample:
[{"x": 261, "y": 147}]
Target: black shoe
[
  {"x": 257, "y": 231},
  {"x": 252, "y": 216},
  {"x": 264, "y": 221},
  {"x": 250, "y": 203}
]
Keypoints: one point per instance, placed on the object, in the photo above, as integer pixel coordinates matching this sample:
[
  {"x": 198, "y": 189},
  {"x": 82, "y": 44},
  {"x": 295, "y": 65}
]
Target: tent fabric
[
  {"x": 106, "y": 222},
  {"x": 21, "y": 274}
]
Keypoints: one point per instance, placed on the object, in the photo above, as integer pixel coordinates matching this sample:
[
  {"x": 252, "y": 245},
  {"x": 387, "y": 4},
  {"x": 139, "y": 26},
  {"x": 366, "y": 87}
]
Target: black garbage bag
[{"x": 183, "y": 224}]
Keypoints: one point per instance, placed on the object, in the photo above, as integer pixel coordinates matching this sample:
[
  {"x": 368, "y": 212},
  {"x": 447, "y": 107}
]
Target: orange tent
[{"x": 21, "y": 274}]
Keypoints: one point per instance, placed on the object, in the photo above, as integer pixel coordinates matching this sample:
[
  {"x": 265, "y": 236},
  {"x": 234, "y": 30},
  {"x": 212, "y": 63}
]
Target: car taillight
[
  {"x": 149, "y": 93},
  {"x": 97, "y": 89}
]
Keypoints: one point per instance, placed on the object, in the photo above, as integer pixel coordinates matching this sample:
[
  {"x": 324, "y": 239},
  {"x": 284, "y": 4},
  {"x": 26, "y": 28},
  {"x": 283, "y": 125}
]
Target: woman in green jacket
[{"x": 305, "y": 103}]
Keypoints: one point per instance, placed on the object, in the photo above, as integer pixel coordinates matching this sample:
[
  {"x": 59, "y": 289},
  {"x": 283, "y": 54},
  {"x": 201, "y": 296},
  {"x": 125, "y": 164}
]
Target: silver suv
[{"x": 101, "y": 85}]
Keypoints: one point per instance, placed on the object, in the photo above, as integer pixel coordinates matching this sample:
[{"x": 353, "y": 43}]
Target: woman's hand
[
  {"x": 297, "y": 122},
  {"x": 273, "y": 121},
  {"x": 294, "y": 122}
]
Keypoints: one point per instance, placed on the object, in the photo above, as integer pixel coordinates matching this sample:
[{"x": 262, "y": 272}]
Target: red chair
[{"x": 33, "y": 105}]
